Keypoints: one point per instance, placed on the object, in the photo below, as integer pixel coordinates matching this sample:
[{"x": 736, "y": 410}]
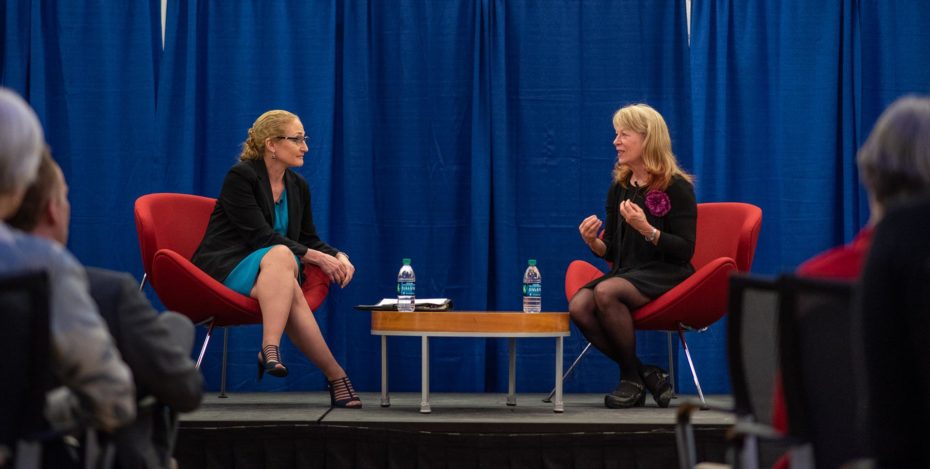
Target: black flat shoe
[
  {"x": 269, "y": 361},
  {"x": 628, "y": 394},
  {"x": 656, "y": 380}
]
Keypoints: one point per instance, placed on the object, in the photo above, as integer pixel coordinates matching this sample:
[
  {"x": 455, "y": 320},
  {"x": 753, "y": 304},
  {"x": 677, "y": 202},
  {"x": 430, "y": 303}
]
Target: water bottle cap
[
  {"x": 532, "y": 262},
  {"x": 406, "y": 261}
]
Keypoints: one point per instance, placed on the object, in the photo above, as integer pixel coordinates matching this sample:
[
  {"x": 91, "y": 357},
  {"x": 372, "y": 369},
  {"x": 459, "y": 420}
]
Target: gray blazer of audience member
[
  {"x": 97, "y": 386},
  {"x": 157, "y": 349}
]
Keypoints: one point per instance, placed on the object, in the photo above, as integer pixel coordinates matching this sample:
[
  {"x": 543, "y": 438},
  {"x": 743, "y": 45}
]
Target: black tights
[{"x": 603, "y": 315}]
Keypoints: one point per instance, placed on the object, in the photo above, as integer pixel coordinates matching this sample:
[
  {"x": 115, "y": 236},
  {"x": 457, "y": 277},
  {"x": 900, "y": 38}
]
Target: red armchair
[
  {"x": 170, "y": 227},
  {"x": 725, "y": 242}
]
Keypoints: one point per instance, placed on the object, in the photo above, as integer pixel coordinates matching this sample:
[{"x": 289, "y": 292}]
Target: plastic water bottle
[
  {"x": 532, "y": 288},
  {"x": 406, "y": 288}
]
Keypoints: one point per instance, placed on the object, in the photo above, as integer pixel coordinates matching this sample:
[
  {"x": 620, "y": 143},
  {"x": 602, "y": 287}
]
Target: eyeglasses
[{"x": 297, "y": 140}]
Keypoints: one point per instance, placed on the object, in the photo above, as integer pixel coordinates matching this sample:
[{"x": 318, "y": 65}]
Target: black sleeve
[
  {"x": 680, "y": 226},
  {"x": 892, "y": 318},
  {"x": 612, "y": 208},
  {"x": 239, "y": 199},
  {"x": 160, "y": 365}
]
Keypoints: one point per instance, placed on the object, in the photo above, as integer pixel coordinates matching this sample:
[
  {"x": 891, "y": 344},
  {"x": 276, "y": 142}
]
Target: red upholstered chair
[
  {"x": 725, "y": 242},
  {"x": 170, "y": 228}
]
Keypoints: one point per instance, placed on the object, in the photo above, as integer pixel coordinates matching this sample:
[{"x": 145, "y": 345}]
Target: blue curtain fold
[
  {"x": 459, "y": 134},
  {"x": 784, "y": 93},
  {"x": 88, "y": 69},
  {"x": 469, "y": 135}
]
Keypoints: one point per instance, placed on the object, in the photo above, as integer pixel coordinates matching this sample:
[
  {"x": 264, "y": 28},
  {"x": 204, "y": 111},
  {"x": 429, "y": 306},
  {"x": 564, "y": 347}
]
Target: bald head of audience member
[{"x": 21, "y": 144}]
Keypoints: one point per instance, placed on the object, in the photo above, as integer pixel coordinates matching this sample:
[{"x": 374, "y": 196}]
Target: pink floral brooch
[{"x": 658, "y": 204}]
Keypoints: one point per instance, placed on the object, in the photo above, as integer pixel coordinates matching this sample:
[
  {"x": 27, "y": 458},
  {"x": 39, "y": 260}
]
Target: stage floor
[
  {"x": 295, "y": 430},
  {"x": 451, "y": 412}
]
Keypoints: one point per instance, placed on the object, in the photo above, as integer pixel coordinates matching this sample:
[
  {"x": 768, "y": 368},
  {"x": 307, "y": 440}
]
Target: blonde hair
[
  {"x": 268, "y": 125},
  {"x": 658, "y": 158}
]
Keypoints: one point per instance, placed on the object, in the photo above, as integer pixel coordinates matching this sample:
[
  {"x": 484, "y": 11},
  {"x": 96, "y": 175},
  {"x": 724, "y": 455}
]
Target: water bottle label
[
  {"x": 532, "y": 289},
  {"x": 406, "y": 288}
]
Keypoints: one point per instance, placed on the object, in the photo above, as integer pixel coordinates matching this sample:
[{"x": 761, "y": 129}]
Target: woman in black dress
[{"x": 648, "y": 239}]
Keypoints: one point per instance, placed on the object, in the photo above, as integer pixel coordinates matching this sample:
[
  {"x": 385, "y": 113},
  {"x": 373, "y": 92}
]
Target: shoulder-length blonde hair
[
  {"x": 268, "y": 125},
  {"x": 658, "y": 158}
]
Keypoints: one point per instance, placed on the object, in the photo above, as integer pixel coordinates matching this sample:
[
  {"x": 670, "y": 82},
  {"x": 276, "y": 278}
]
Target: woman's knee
[
  {"x": 279, "y": 256},
  {"x": 581, "y": 306},
  {"x": 605, "y": 295}
]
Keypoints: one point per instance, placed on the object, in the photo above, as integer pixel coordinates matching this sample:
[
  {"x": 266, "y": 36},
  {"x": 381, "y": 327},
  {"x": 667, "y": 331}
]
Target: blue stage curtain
[
  {"x": 469, "y": 136},
  {"x": 784, "y": 93},
  {"x": 89, "y": 70}
]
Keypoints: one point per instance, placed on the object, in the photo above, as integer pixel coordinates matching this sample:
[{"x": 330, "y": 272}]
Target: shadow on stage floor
[{"x": 299, "y": 430}]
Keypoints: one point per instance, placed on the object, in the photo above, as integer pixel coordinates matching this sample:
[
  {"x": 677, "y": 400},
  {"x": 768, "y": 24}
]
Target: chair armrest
[
  {"x": 577, "y": 275},
  {"x": 698, "y": 301},
  {"x": 315, "y": 287},
  {"x": 184, "y": 288}
]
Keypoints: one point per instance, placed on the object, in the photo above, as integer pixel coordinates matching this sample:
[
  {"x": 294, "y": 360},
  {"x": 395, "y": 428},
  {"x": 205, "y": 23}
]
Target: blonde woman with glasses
[{"x": 259, "y": 236}]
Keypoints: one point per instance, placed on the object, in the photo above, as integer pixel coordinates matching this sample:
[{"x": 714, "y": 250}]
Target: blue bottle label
[
  {"x": 406, "y": 288},
  {"x": 532, "y": 289}
]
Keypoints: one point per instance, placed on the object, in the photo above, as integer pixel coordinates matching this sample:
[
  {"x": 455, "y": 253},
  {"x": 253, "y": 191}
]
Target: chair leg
[
  {"x": 569, "y": 370},
  {"x": 671, "y": 362},
  {"x": 206, "y": 341},
  {"x": 225, "y": 355},
  {"x": 697, "y": 384}
]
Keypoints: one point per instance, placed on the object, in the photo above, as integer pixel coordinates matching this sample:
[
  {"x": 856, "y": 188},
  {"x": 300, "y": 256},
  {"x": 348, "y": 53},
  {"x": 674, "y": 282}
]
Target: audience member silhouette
[
  {"x": 892, "y": 319},
  {"x": 156, "y": 347},
  {"x": 894, "y": 164},
  {"x": 96, "y": 386}
]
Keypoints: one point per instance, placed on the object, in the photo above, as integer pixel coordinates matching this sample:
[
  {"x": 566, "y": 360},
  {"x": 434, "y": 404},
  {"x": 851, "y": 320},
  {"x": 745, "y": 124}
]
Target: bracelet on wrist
[{"x": 652, "y": 236}]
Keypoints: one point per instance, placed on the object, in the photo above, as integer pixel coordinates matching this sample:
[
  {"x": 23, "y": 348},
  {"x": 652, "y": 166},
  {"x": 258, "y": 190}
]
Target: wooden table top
[{"x": 482, "y": 323}]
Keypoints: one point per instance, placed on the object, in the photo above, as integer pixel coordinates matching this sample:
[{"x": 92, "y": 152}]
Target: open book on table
[{"x": 421, "y": 304}]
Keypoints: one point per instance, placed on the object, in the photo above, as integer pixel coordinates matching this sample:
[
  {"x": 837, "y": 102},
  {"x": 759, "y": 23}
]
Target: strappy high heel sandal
[
  {"x": 343, "y": 395},
  {"x": 268, "y": 360}
]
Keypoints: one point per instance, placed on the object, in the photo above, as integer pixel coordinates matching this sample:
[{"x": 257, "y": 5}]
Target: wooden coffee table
[{"x": 512, "y": 325}]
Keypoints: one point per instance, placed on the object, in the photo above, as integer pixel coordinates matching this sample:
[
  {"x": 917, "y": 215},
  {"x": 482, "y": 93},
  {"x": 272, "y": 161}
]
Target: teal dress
[{"x": 242, "y": 278}]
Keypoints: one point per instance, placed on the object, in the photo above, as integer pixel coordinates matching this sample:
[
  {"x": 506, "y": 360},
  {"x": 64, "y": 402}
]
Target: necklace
[{"x": 633, "y": 191}]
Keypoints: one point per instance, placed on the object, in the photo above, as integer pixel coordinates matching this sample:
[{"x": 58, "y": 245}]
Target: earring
[{"x": 274, "y": 157}]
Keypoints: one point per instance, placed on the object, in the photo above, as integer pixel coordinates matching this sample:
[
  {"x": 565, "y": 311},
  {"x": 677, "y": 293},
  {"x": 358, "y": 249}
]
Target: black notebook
[{"x": 421, "y": 304}]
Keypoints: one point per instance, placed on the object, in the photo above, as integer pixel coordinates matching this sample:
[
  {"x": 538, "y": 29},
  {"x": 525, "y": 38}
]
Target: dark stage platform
[{"x": 291, "y": 430}]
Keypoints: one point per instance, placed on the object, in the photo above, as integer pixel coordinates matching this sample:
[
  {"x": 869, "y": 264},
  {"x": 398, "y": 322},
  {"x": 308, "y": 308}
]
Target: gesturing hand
[
  {"x": 635, "y": 216},
  {"x": 589, "y": 228}
]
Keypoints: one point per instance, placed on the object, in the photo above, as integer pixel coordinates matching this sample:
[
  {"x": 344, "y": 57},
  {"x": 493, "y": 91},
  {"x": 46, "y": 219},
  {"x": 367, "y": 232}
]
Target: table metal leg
[
  {"x": 512, "y": 371},
  {"x": 557, "y": 405},
  {"x": 424, "y": 386},
  {"x": 385, "y": 397}
]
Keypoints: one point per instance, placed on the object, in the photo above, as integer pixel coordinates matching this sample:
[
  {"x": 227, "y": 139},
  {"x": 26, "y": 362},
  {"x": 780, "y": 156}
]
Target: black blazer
[{"x": 243, "y": 220}]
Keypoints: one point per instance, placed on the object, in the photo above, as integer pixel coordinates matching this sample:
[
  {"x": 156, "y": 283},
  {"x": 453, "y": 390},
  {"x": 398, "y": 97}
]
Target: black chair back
[
  {"x": 753, "y": 345},
  {"x": 818, "y": 369},
  {"x": 24, "y": 349}
]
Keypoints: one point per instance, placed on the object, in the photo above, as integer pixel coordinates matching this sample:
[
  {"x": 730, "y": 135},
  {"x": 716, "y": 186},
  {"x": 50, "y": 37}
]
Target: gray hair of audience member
[
  {"x": 21, "y": 142},
  {"x": 894, "y": 162}
]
